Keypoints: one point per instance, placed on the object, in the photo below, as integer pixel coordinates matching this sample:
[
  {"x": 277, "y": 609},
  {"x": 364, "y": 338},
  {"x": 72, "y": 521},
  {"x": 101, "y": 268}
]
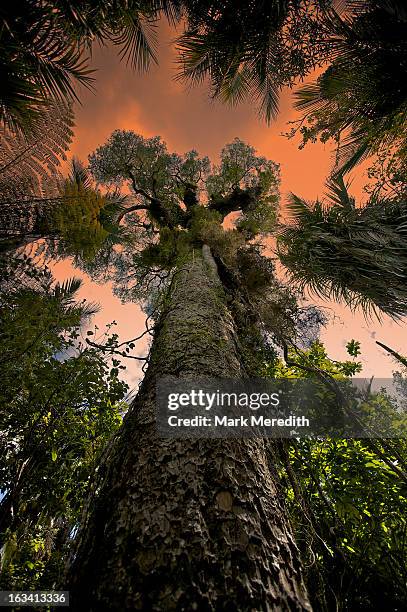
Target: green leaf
[{"x": 353, "y": 348}]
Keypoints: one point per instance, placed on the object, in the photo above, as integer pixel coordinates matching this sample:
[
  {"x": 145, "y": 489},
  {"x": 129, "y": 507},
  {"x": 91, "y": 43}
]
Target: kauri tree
[{"x": 197, "y": 524}]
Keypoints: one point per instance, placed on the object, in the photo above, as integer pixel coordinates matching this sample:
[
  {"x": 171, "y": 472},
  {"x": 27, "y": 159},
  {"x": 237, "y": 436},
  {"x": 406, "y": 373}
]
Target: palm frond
[
  {"x": 171, "y": 9},
  {"x": 297, "y": 207},
  {"x": 78, "y": 174},
  {"x": 65, "y": 294},
  {"x": 57, "y": 64},
  {"x": 67, "y": 290},
  {"x": 309, "y": 98},
  {"x": 338, "y": 192},
  {"x": 89, "y": 309},
  {"x": 235, "y": 85},
  {"x": 44, "y": 47},
  {"x": 38, "y": 64},
  {"x": 345, "y": 253},
  {"x": 196, "y": 58},
  {"x": 361, "y": 97},
  {"x": 138, "y": 40},
  {"x": 248, "y": 49},
  {"x": 269, "y": 94},
  {"x": 349, "y": 155}
]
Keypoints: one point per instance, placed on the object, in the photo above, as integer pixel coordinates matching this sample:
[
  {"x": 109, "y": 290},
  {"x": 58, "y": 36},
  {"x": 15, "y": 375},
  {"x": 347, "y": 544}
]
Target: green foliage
[
  {"x": 388, "y": 173},
  {"x": 260, "y": 219},
  {"x": 40, "y": 62},
  {"x": 153, "y": 172},
  {"x": 181, "y": 203},
  {"x": 30, "y": 180},
  {"x": 250, "y": 50},
  {"x": 314, "y": 357},
  {"x": 76, "y": 220},
  {"x": 158, "y": 179},
  {"x": 206, "y": 227},
  {"x": 346, "y": 503},
  {"x": 360, "y": 100},
  {"x": 353, "y": 348},
  {"x": 60, "y": 403},
  {"x": 29, "y": 164},
  {"x": 170, "y": 250},
  {"x": 168, "y": 187},
  {"x": 352, "y": 530},
  {"x": 241, "y": 167},
  {"x": 255, "y": 180},
  {"x": 62, "y": 400},
  {"x": 43, "y": 49},
  {"x": 344, "y": 252}
]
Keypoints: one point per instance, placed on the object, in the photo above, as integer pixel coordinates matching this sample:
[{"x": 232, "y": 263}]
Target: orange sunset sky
[{"x": 154, "y": 104}]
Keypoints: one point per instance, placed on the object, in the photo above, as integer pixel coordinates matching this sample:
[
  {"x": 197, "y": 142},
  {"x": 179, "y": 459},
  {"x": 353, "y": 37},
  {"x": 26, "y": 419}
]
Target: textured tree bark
[{"x": 186, "y": 524}]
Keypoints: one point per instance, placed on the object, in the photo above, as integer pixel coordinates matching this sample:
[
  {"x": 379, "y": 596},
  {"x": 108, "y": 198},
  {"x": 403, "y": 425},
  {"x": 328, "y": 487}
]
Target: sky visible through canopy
[{"x": 154, "y": 104}]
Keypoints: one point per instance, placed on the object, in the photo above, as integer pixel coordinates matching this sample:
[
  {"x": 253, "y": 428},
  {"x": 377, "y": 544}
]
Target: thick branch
[
  {"x": 239, "y": 199},
  {"x": 131, "y": 209},
  {"x": 136, "y": 189},
  {"x": 190, "y": 197},
  {"x": 156, "y": 208}
]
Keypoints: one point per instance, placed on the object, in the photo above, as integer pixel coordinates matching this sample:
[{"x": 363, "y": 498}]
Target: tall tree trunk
[{"x": 186, "y": 524}]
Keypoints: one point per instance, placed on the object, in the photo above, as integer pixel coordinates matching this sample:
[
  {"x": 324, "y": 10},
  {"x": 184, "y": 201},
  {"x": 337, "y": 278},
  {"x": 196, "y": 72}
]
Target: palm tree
[
  {"x": 75, "y": 219},
  {"x": 83, "y": 219},
  {"x": 39, "y": 60},
  {"x": 43, "y": 46},
  {"x": 342, "y": 252},
  {"x": 361, "y": 98},
  {"x": 250, "y": 50}
]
